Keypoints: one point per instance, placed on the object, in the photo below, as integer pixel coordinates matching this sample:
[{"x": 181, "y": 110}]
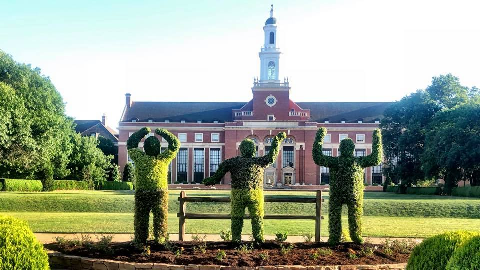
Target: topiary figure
[
  {"x": 435, "y": 252},
  {"x": 151, "y": 187},
  {"x": 466, "y": 256},
  {"x": 247, "y": 185},
  {"x": 346, "y": 183},
  {"x": 19, "y": 249}
]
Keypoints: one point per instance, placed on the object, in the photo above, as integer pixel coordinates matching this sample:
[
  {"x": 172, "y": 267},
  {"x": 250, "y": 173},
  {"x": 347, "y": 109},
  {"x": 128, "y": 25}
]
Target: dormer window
[
  {"x": 134, "y": 120},
  {"x": 182, "y": 121},
  {"x": 167, "y": 121},
  {"x": 199, "y": 121},
  {"x": 150, "y": 120},
  {"x": 215, "y": 122}
]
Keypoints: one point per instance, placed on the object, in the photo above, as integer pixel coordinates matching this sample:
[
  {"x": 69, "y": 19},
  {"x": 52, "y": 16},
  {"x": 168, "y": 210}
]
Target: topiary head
[
  {"x": 347, "y": 147},
  {"x": 152, "y": 146},
  {"x": 247, "y": 148}
]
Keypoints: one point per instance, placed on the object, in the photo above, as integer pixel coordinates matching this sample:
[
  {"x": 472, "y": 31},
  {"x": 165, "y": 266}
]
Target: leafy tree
[
  {"x": 113, "y": 172},
  {"x": 128, "y": 173},
  {"x": 407, "y": 122},
  {"x": 34, "y": 130},
  {"x": 108, "y": 148}
]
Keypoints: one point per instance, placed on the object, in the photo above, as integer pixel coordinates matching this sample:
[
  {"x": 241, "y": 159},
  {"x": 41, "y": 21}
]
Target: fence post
[
  {"x": 181, "y": 217},
  {"x": 318, "y": 215}
]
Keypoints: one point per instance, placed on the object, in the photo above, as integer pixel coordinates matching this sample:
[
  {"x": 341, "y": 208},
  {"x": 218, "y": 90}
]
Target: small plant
[
  {"x": 281, "y": 237},
  {"x": 352, "y": 254},
  {"x": 226, "y": 235},
  {"x": 146, "y": 251},
  {"x": 286, "y": 248},
  {"x": 103, "y": 243},
  {"x": 198, "y": 238},
  {"x": 221, "y": 255},
  {"x": 202, "y": 247},
  {"x": 307, "y": 237},
  {"x": 324, "y": 251},
  {"x": 367, "y": 251},
  {"x": 179, "y": 252},
  {"x": 264, "y": 256},
  {"x": 245, "y": 248}
]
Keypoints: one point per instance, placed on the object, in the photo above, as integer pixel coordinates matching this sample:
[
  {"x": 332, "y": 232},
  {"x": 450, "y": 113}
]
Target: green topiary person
[
  {"x": 346, "y": 183},
  {"x": 247, "y": 185},
  {"x": 151, "y": 188}
]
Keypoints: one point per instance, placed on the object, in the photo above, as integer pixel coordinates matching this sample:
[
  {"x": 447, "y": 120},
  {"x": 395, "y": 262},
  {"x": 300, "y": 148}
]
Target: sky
[{"x": 95, "y": 51}]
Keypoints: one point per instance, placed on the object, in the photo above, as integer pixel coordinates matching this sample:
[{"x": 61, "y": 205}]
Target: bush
[
  {"x": 466, "y": 191},
  {"x": 467, "y": 256},
  {"x": 424, "y": 190},
  {"x": 392, "y": 189},
  {"x": 70, "y": 185},
  {"x": 110, "y": 185},
  {"x": 128, "y": 173},
  {"x": 434, "y": 252},
  {"x": 22, "y": 185},
  {"x": 19, "y": 249}
]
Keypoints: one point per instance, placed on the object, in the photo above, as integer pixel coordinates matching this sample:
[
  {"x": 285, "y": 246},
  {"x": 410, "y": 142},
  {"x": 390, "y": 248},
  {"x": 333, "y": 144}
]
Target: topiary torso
[{"x": 151, "y": 172}]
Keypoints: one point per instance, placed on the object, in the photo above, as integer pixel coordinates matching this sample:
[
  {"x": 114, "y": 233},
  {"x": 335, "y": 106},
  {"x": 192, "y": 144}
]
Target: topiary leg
[
  {"x": 142, "y": 214},
  {"x": 334, "y": 220},
  {"x": 160, "y": 215},
  {"x": 355, "y": 212},
  {"x": 238, "y": 212},
  {"x": 255, "y": 208}
]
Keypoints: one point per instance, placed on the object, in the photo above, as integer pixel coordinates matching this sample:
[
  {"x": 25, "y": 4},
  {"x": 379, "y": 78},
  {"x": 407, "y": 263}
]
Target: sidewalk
[{"x": 50, "y": 237}]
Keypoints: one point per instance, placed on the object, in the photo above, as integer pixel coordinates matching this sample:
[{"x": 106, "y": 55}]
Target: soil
[{"x": 244, "y": 254}]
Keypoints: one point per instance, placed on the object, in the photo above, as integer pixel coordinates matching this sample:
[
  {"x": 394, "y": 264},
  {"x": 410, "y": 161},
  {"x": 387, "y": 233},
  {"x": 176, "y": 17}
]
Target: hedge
[
  {"x": 393, "y": 189},
  {"x": 424, "y": 190},
  {"x": 21, "y": 185},
  {"x": 19, "y": 249},
  {"x": 467, "y": 256},
  {"x": 113, "y": 185},
  {"x": 466, "y": 191},
  {"x": 435, "y": 252},
  {"x": 70, "y": 185}
]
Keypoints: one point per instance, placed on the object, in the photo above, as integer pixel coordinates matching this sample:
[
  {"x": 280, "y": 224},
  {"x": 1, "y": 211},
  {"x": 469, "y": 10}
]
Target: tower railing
[{"x": 270, "y": 84}]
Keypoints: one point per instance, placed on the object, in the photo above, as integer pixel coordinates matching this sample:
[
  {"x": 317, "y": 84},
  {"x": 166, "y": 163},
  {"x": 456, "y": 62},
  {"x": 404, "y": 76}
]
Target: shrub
[
  {"x": 22, "y": 185},
  {"x": 1, "y": 184},
  {"x": 424, "y": 190},
  {"x": 70, "y": 185},
  {"x": 434, "y": 252},
  {"x": 19, "y": 249},
  {"x": 109, "y": 185},
  {"x": 128, "y": 173},
  {"x": 466, "y": 191},
  {"x": 281, "y": 236},
  {"x": 467, "y": 256},
  {"x": 392, "y": 189}
]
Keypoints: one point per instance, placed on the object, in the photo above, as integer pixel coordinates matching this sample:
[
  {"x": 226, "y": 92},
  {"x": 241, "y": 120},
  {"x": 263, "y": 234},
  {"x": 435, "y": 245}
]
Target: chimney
[
  {"x": 104, "y": 119},
  {"x": 128, "y": 101}
]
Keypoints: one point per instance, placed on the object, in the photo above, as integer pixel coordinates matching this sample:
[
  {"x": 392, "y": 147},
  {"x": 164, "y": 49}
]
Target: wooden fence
[{"x": 183, "y": 215}]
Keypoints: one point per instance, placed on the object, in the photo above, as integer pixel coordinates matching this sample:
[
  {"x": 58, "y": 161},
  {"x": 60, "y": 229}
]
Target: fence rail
[{"x": 183, "y": 215}]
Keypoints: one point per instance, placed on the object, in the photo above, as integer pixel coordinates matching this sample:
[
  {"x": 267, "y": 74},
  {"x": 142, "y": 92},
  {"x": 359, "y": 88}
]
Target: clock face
[{"x": 271, "y": 100}]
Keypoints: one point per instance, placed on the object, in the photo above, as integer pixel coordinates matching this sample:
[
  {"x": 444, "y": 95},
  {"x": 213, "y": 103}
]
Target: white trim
[
  {"x": 173, "y": 128},
  {"x": 186, "y": 137},
  {"x": 358, "y": 141},
  {"x": 211, "y": 137},
  {"x": 270, "y": 115},
  {"x": 199, "y": 134},
  {"x": 274, "y": 100},
  {"x": 340, "y": 135}
]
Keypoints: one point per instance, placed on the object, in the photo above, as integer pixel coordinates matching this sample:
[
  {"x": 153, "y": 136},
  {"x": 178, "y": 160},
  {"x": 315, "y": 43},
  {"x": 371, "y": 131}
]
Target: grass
[
  {"x": 386, "y": 214},
  {"x": 123, "y": 223}
]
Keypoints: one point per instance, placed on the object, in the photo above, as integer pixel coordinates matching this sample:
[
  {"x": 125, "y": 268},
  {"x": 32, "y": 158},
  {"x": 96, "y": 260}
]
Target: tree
[
  {"x": 128, "y": 173},
  {"x": 407, "y": 121},
  {"x": 108, "y": 148},
  {"x": 36, "y": 132}
]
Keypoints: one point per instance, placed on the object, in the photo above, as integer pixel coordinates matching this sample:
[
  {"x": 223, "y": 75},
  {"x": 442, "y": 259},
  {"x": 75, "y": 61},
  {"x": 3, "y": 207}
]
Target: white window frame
[
  {"x": 150, "y": 121},
  {"x": 198, "y": 134},
  {"x": 182, "y": 134},
  {"x": 273, "y": 117},
  {"x": 340, "y": 137},
  {"x": 329, "y": 140},
  {"x": 359, "y": 135},
  {"x": 215, "y": 134}
]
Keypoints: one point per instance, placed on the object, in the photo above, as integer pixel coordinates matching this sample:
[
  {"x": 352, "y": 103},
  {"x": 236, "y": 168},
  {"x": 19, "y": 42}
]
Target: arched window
[
  {"x": 271, "y": 70},
  {"x": 272, "y": 38}
]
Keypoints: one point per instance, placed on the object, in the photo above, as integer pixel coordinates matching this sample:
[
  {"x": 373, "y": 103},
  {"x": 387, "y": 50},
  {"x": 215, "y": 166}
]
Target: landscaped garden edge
[{"x": 59, "y": 260}]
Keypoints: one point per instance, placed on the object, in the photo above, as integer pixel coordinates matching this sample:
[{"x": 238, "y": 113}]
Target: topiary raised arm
[
  {"x": 173, "y": 144},
  {"x": 274, "y": 150},
  {"x": 376, "y": 156},
  {"x": 318, "y": 157},
  {"x": 223, "y": 168},
  {"x": 136, "y": 137}
]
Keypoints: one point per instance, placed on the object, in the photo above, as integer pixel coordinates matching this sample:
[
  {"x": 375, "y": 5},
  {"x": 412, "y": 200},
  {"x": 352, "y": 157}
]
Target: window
[
  {"x": 150, "y": 120},
  {"x": 182, "y": 158},
  {"x": 182, "y": 137},
  {"x": 360, "y": 152},
  {"x": 360, "y": 138},
  {"x": 198, "y": 137},
  {"x": 215, "y": 137},
  {"x": 93, "y": 134},
  {"x": 214, "y": 160},
  {"x": 198, "y": 164},
  {"x": 271, "y": 70},
  {"x": 215, "y": 122},
  {"x": 182, "y": 121},
  {"x": 377, "y": 174},
  {"x": 343, "y": 121},
  {"x": 272, "y": 38},
  {"x": 134, "y": 120},
  {"x": 199, "y": 121},
  {"x": 167, "y": 121},
  {"x": 288, "y": 158},
  {"x": 271, "y": 117},
  {"x": 325, "y": 171},
  {"x": 342, "y": 137},
  {"x": 267, "y": 150},
  {"x": 327, "y": 138}
]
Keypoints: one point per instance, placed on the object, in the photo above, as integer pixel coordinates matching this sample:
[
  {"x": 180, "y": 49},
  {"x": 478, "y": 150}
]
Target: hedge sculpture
[
  {"x": 19, "y": 248},
  {"x": 247, "y": 185},
  {"x": 151, "y": 188},
  {"x": 346, "y": 183}
]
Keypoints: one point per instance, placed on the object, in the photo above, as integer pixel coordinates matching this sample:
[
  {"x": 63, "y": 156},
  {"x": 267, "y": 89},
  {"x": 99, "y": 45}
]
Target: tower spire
[{"x": 271, "y": 11}]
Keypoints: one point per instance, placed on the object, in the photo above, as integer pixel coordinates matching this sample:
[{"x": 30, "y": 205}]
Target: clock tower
[{"x": 269, "y": 54}]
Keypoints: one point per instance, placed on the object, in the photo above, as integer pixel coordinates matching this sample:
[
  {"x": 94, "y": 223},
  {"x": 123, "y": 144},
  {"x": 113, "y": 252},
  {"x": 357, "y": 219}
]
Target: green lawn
[{"x": 386, "y": 214}]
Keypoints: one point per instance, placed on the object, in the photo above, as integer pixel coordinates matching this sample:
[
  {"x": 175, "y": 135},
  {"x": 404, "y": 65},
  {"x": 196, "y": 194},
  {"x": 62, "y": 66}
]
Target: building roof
[
  {"x": 222, "y": 111},
  {"x": 82, "y": 126},
  {"x": 271, "y": 20}
]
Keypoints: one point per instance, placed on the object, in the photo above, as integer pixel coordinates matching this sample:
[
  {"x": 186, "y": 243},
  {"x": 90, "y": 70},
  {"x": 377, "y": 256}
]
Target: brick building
[{"x": 212, "y": 131}]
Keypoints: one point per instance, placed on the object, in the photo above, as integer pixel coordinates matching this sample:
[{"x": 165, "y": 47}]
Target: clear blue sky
[{"x": 357, "y": 50}]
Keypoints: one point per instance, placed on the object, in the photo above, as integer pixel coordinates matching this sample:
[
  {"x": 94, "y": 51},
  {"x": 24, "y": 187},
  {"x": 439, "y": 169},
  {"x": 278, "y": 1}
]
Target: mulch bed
[{"x": 244, "y": 254}]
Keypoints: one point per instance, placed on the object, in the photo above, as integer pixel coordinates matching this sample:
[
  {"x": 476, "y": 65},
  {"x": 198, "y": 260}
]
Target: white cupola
[{"x": 270, "y": 54}]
